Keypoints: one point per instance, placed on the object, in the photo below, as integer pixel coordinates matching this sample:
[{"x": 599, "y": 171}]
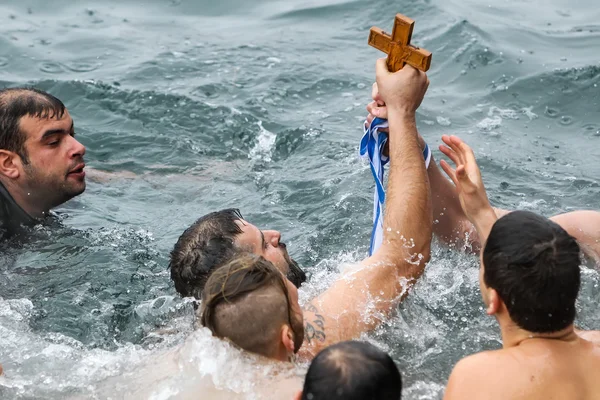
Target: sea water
[{"x": 195, "y": 106}]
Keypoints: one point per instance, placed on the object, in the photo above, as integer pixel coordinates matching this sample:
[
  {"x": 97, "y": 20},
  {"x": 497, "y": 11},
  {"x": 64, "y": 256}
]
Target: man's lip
[{"x": 78, "y": 169}]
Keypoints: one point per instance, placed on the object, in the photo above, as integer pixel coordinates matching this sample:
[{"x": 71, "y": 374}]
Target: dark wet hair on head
[
  {"x": 16, "y": 103},
  {"x": 352, "y": 370},
  {"x": 208, "y": 244},
  {"x": 533, "y": 264},
  {"x": 203, "y": 247}
]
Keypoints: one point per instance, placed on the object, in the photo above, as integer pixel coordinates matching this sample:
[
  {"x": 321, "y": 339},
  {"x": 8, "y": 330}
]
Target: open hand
[{"x": 467, "y": 178}]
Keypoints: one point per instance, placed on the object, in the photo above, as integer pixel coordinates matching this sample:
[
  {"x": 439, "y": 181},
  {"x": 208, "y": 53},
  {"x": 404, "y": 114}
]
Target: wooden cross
[{"x": 398, "y": 47}]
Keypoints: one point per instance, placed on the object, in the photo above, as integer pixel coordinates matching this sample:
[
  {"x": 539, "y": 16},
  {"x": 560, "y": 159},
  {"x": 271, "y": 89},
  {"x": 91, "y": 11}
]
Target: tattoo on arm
[{"x": 314, "y": 330}]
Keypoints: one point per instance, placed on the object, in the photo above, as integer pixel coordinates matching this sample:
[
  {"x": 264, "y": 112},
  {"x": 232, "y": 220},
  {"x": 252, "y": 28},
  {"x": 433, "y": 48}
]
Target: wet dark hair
[
  {"x": 247, "y": 301},
  {"x": 352, "y": 370},
  {"x": 16, "y": 103},
  {"x": 206, "y": 245},
  {"x": 533, "y": 264}
]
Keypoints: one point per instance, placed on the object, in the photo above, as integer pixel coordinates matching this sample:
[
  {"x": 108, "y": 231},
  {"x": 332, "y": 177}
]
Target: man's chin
[{"x": 74, "y": 189}]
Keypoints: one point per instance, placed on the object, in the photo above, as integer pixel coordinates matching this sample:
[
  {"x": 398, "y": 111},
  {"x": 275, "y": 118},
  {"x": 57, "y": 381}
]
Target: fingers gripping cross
[{"x": 398, "y": 47}]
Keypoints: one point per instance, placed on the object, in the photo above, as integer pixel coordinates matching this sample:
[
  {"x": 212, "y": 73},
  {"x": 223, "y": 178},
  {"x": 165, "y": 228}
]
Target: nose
[
  {"x": 77, "y": 149},
  {"x": 273, "y": 237}
]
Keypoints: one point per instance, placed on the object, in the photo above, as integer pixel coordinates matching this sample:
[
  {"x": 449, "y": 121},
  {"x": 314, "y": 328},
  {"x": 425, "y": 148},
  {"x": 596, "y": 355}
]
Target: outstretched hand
[{"x": 467, "y": 179}]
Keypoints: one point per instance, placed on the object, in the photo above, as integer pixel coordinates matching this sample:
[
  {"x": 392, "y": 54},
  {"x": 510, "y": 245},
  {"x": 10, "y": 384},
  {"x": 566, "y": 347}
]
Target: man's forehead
[
  {"x": 34, "y": 126},
  {"x": 249, "y": 233}
]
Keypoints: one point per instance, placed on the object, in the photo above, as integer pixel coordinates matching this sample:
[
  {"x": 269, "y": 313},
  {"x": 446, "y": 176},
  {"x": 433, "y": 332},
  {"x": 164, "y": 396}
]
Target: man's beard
[
  {"x": 295, "y": 274},
  {"x": 49, "y": 190},
  {"x": 298, "y": 329}
]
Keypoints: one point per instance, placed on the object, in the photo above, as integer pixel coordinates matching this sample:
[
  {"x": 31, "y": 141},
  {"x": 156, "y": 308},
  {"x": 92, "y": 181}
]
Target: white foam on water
[{"x": 265, "y": 144}]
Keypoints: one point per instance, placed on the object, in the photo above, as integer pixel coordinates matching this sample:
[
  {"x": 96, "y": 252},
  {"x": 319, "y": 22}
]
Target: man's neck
[
  {"x": 513, "y": 335},
  {"x": 24, "y": 199}
]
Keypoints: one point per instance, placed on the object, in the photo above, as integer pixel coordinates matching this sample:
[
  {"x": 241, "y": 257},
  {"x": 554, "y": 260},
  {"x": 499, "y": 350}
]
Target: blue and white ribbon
[{"x": 371, "y": 146}]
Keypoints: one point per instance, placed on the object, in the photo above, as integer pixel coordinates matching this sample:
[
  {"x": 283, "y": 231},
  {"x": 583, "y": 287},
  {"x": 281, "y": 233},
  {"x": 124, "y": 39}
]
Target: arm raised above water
[{"x": 364, "y": 295}]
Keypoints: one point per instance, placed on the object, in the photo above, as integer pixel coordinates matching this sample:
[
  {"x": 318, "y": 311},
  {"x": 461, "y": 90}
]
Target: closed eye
[{"x": 264, "y": 242}]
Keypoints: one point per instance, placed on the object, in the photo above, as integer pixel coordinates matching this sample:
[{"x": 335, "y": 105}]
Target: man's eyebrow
[
  {"x": 51, "y": 132},
  {"x": 262, "y": 236}
]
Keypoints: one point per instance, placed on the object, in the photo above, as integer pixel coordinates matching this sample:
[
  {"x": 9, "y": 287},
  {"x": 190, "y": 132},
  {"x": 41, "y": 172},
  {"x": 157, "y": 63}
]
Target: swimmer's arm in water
[
  {"x": 98, "y": 176},
  {"x": 592, "y": 336},
  {"x": 583, "y": 225},
  {"x": 364, "y": 295}
]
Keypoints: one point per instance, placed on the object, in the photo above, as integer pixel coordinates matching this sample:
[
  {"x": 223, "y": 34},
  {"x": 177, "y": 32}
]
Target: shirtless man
[
  {"x": 529, "y": 279},
  {"x": 41, "y": 163},
  {"x": 364, "y": 294},
  {"x": 454, "y": 228}
]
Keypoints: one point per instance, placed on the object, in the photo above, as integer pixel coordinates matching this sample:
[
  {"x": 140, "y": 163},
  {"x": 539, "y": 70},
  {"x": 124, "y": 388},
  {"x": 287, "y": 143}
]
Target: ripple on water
[
  {"x": 551, "y": 112},
  {"x": 79, "y": 66},
  {"x": 593, "y": 129},
  {"x": 3, "y": 62},
  {"x": 51, "y": 67},
  {"x": 566, "y": 120}
]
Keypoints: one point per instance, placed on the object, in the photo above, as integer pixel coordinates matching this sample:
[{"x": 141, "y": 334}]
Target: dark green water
[{"x": 258, "y": 105}]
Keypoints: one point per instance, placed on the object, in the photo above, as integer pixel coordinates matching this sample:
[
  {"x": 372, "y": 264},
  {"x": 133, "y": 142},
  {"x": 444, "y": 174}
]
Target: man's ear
[
  {"x": 10, "y": 164},
  {"x": 287, "y": 338},
  {"x": 298, "y": 395},
  {"x": 494, "y": 302}
]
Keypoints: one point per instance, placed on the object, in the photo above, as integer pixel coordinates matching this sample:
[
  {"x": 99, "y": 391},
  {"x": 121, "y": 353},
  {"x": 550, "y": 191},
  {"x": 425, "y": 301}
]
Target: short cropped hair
[
  {"x": 16, "y": 103},
  {"x": 247, "y": 302},
  {"x": 534, "y": 265},
  {"x": 352, "y": 370}
]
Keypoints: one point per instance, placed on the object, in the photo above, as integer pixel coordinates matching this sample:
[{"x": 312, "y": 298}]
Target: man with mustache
[
  {"x": 359, "y": 299},
  {"x": 41, "y": 162}
]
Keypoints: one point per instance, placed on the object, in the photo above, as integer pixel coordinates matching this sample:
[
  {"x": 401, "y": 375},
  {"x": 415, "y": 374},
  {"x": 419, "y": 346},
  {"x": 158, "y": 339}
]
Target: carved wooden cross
[{"x": 398, "y": 47}]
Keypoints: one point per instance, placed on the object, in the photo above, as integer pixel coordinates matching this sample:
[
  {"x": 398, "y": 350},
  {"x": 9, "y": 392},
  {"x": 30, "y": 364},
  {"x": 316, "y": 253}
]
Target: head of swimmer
[
  {"x": 352, "y": 370},
  {"x": 217, "y": 238},
  {"x": 39, "y": 155},
  {"x": 530, "y": 274},
  {"x": 250, "y": 303}
]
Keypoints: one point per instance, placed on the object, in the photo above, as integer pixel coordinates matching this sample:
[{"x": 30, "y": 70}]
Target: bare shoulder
[{"x": 473, "y": 374}]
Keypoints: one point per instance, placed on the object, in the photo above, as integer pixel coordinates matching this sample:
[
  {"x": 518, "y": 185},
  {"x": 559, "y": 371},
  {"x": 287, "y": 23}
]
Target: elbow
[{"x": 424, "y": 255}]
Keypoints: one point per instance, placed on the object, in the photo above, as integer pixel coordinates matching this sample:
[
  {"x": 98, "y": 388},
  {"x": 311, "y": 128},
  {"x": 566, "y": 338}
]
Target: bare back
[{"x": 537, "y": 369}]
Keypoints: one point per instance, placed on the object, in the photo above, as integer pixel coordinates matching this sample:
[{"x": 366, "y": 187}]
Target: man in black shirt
[{"x": 41, "y": 163}]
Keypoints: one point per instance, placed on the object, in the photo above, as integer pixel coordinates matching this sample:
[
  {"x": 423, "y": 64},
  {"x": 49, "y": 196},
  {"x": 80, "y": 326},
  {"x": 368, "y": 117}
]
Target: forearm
[
  {"x": 366, "y": 294},
  {"x": 450, "y": 224},
  {"x": 483, "y": 222},
  {"x": 408, "y": 215}
]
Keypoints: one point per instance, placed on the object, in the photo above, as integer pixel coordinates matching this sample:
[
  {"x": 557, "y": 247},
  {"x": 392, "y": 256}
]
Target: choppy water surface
[{"x": 258, "y": 105}]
